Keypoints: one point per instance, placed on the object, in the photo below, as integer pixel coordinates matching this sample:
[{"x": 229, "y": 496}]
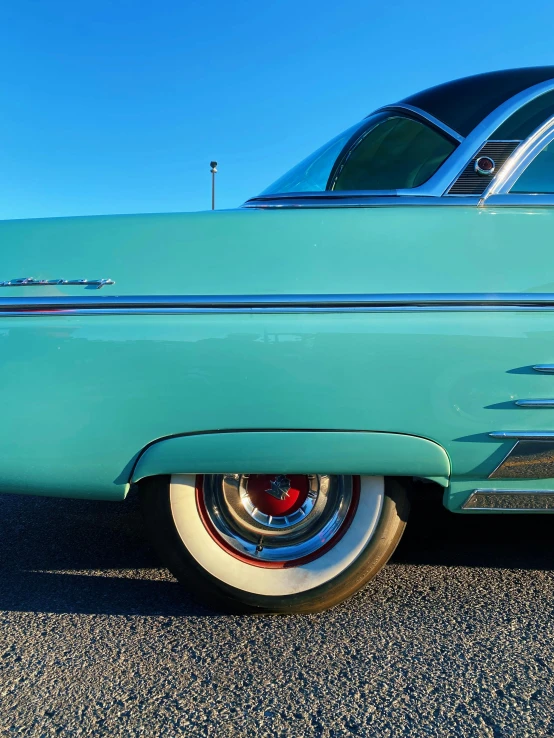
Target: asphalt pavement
[{"x": 454, "y": 638}]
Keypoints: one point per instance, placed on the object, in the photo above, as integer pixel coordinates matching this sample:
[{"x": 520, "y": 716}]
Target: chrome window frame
[
  {"x": 436, "y": 188},
  {"x": 424, "y": 116},
  {"x": 499, "y": 191}
]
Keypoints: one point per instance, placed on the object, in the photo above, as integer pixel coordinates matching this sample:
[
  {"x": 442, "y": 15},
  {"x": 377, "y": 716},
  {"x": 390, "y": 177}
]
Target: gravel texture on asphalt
[{"x": 454, "y": 638}]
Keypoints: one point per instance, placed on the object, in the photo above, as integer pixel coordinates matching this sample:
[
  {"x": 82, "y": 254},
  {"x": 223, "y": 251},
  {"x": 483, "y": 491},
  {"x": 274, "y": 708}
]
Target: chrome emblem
[
  {"x": 31, "y": 282},
  {"x": 280, "y": 487}
]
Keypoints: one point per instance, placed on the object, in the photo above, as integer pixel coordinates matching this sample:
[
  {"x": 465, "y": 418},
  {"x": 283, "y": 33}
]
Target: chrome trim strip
[
  {"x": 535, "y": 403},
  {"x": 368, "y": 199},
  {"x": 504, "y": 459},
  {"x": 523, "y": 435},
  {"x": 524, "y": 500},
  {"x": 521, "y": 158},
  {"x": 419, "y": 113},
  {"x": 545, "y": 368},
  {"x": 326, "y": 195},
  {"x": 517, "y": 201},
  {"x": 277, "y": 303}
]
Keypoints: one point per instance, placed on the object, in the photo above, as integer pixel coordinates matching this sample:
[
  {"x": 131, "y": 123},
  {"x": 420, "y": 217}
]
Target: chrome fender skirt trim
[
  {"x": 295, "y": 452},
  {"x": 499, "y": 496}
]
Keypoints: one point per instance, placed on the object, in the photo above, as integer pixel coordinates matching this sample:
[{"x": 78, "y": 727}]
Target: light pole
[{"x": 213, "y": 170}]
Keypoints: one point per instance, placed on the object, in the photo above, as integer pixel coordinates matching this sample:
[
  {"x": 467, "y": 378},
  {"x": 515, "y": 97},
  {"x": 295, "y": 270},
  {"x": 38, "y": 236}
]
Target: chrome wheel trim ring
[
  {"x": 232, "y": 519},
  {"x": 276, "y": 582}
]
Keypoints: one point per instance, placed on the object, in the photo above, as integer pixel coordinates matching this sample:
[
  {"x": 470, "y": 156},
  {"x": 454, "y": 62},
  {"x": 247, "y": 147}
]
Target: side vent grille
[{"x": 470, "y": 182}]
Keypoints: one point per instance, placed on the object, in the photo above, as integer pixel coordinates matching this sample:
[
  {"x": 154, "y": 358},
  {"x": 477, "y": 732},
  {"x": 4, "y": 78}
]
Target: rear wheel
[{"x": 275, "y": 543}]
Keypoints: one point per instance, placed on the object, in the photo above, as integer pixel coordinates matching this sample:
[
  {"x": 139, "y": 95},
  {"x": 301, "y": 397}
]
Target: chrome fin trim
[
  {"x": 544, "y": 368},
  {"x": 535, "y": 403},
  {"x": 517, "y": 500},
  {"x": 523, "y": 435}
]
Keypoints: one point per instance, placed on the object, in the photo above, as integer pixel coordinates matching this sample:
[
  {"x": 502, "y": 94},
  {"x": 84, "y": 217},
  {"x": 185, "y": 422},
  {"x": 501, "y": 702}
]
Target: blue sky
[{"x": 118, "y": 106}]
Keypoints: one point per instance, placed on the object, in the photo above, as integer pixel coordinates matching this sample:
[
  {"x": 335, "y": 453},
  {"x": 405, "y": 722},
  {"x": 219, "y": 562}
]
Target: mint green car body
[
  {"x": 96, "y": 401},
  {"x": 83, "y": 397}
]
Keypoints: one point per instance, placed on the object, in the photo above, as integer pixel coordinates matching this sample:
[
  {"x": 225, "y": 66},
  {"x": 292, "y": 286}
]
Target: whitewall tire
[{"x": 274, "y": 543}]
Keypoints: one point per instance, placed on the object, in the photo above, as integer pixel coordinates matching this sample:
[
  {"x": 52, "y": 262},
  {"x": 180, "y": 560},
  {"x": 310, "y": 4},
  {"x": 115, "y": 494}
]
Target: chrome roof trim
[
  {"x": 183, "y": 304},
  {"x": 419, "y": 113},
  {"x": 520, "y": 159},
  {"x": 442, "y": 180}
]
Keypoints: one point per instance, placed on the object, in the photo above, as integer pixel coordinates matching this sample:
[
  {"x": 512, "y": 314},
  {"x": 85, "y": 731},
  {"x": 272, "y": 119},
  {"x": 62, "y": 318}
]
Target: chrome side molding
[
  {"x": 326, "y": 303},
  {"x": 535, "y": 403},
  {"x": 517, "y": 500},
  {"x": 545, "y": 368},
  {"x": 523, "y": 435}
]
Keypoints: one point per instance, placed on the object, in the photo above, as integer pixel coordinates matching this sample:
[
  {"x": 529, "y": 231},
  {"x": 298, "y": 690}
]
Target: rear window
[{"x": 386, "y": 151}]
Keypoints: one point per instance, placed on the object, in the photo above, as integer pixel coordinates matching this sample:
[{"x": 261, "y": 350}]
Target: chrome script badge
[{"x": 31, "y": 282}]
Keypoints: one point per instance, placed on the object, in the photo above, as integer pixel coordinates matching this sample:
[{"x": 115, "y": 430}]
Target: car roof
[{"x": 463, "y": 103}]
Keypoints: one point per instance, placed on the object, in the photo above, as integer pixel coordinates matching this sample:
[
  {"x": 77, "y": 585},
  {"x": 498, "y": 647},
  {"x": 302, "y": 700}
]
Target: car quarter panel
[
  {"x": 82, "y": 396},
  {"x": 338, "y": 251}
]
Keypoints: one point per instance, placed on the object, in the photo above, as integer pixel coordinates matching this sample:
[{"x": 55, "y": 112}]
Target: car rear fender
[{"x": 295, "y": 451}]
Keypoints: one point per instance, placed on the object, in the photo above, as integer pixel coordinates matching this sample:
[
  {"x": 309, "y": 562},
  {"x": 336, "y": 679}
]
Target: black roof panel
[{"x": 463, "y": 103}]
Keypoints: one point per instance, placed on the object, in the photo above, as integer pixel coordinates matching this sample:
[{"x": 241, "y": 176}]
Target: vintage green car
[{"x": 272, "y": 379}]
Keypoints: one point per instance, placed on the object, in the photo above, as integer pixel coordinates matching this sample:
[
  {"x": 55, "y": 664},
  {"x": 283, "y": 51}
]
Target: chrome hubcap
[{"x": 276, "y": 518}]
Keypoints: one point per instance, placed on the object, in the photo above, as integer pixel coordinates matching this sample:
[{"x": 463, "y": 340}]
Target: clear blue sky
[{"x": 117, "y": 106}]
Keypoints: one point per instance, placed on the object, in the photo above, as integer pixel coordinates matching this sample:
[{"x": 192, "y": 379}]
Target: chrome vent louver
[{"x": 470, "y": 182}]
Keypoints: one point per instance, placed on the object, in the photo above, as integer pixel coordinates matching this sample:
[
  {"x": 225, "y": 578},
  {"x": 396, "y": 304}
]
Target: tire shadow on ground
[{"x": 75, "y": 556}]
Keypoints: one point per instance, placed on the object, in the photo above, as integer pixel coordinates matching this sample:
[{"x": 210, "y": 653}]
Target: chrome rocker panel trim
[
  {"x": 516, "y": 500},
  {"x": 182, "y": 304}
]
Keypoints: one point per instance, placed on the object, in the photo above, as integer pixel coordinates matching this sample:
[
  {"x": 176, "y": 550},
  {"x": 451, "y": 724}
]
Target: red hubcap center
[{"x": 278, "y": 494}]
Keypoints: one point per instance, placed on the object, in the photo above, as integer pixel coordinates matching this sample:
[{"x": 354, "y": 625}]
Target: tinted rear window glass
[
  {"x": 398, "y": 153},
  {"x": 464, "y": 103},
  {"x": 538, "y": 178}
]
